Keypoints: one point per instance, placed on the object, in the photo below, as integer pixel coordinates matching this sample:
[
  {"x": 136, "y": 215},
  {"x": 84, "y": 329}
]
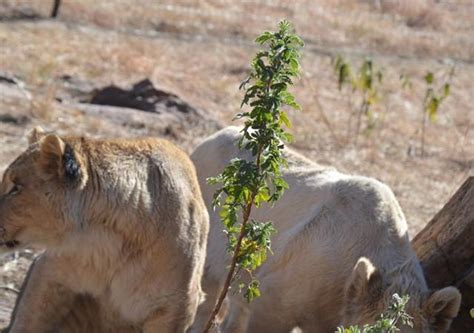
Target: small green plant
[
  {"x": 406, "y": 81},
  {"x": 244, "y": 184},
  {"x": 388, "y": 321},
  {"x": 365, "y": 84},
  {"x": 435, "y": 94}
]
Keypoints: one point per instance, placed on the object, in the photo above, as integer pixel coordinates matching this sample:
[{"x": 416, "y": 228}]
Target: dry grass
[{"x": 423, "y": 27}]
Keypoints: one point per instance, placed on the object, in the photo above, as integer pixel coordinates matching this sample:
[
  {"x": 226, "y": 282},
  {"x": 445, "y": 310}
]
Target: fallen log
[{"x": 445, "y": 248}]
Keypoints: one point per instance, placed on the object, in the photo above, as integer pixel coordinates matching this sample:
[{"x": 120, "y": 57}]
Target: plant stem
[
  {"x": 423, "y": 125},
  {"x": 361, "y": 111},
  {"x": 349, "y": 121},
  {"x": 230, "y": 274}
]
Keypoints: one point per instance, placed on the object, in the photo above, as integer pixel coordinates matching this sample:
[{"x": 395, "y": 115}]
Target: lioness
[
  {"x": 124, "y": 227},
  {"x": 340, "y": 252}
]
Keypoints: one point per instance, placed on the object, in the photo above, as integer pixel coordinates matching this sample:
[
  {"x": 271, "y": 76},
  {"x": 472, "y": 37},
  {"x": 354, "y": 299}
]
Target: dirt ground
[{"x": 200, "y": 51}]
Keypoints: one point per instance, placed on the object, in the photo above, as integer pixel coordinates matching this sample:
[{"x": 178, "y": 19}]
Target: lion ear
[
  {"x": 36, "y": 134},
  {"x": 58, "y": 161},
  {"x": 442, "y": 307},
  {"x": 366, "y": 284}
]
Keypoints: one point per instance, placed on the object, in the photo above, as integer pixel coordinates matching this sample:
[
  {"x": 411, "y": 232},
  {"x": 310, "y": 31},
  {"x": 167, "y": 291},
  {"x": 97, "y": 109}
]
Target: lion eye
[{"x": 15, "y": 189}]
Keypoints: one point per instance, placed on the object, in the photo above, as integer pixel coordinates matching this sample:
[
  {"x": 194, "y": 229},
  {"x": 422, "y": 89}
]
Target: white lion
[{"x": 340, "y": 252}]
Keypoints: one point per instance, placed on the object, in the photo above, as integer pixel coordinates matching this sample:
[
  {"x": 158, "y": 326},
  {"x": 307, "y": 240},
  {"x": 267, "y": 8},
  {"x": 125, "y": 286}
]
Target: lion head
[
  {"x": 370, "y": 291},
  {"x": 35, "y": 190}
]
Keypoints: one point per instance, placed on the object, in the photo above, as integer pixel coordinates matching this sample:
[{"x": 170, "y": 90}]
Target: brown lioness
[{"x": 124, "y": 227}]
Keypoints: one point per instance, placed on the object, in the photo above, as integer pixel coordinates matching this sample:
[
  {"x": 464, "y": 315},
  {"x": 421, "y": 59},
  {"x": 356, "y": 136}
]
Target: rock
[
  {"x": 75, "y": 88},
  {"x": 141, "y": 108},
  {"x": 15, "y": 120},
  {"x": 142, "y": 96},
  {"x": 13, "y": 87},
  {"x": 17, "y": 11}
]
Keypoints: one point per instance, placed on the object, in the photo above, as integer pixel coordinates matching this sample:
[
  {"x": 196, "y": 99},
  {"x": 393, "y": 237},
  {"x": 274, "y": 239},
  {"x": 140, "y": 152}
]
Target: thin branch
[
  {"x": 233, "y": 265},
  {"x": 8, "y": 288}
]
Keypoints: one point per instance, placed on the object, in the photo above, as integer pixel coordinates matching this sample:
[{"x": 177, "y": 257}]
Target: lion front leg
[
  {"x": 212, "y": 289},
  {"x": 238, "y": 316},
  {"x": 174, "y": 318},
  {"x": 165, "y": 321},
  {"x": 43, "y": 301}
]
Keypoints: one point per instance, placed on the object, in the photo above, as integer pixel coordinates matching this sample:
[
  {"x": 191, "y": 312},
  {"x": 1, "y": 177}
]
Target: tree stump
[{"x": 445, "y": 248}]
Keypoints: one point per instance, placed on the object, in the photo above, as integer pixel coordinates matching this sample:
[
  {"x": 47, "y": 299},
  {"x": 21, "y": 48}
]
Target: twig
[{"x": 8, "y": 288}]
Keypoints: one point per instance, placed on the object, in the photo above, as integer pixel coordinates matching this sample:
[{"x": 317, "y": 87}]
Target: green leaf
[
  {"x": 446, "y": 89},
  {"x": 285, "y": 120},
  {"x": 262, "y": 196},
  {"x": 295, "y": 106},
  {"x": 288, "y": 137},
  {"x": 432, "y": 108},
  {"x": 263, "y": 38},
  {"x": 429, "y": 78},
  {"x": 344, "y": 74},
  {"x": 295, "y": 65},
  {"x": 253, "y": 291}
]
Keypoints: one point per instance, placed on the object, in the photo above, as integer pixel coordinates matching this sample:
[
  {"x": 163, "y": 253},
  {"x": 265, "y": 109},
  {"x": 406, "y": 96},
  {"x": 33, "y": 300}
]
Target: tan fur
[
  {"x": 124, "y": 227},
  {"x": 340, "y": 252}
]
